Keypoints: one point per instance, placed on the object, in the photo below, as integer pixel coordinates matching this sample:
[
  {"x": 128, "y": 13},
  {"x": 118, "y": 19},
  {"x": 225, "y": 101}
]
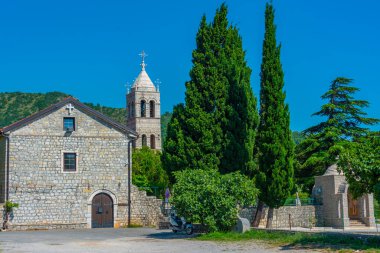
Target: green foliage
[
  {"x": 165, "y": 119},
  {"x": 297, "y": 137},
  {"x": 117, "y": 114},
  {"x": 147, "y": 168},
  {"x": 9, "y": 206},
  {"x": 325, "y": 141},
  {"x": 377, "y": 209},
  {"x": 216, "y": 127},
  {"x": 210, "y": 198},
  {"x": 274, "y": 140},
  {"x": 360, "y": 162}
]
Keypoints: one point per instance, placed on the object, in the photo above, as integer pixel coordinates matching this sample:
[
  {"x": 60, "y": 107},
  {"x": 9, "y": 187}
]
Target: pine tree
[
  {"x": 345, "y": 121},
  {"x": 219, "y": 118},
  {"x": 274, "y": 141}
]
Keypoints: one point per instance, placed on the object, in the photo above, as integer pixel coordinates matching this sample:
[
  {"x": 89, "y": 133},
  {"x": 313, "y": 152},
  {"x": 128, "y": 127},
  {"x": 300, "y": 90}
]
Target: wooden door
[
  {"x": 352, "y": 207},
  {"x": 102, "y": 211}
]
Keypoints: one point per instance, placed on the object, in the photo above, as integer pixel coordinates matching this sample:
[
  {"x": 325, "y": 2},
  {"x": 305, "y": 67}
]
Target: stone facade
[
  {"x": 50, "y": 197},
  {"x": 143, "y": 111}
]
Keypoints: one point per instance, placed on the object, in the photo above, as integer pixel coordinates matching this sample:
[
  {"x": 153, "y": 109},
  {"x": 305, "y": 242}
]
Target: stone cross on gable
[{"x": 69, "y": 108}]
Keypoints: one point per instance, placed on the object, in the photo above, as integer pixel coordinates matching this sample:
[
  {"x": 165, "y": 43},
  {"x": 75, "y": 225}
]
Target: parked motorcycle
[{"x": 178, "y": 224}]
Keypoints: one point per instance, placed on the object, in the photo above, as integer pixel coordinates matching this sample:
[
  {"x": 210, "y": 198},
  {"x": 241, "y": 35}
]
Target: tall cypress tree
[
  {"x": 274, "y": 142},
  {"x": 219, "y": 118}
]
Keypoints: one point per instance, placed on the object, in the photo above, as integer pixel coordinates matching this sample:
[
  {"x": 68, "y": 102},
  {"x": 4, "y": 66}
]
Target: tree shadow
[{"x": 170, "y": 235}]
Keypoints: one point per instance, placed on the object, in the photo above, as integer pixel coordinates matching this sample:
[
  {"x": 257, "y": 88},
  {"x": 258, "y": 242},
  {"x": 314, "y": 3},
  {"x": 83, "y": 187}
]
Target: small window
[
  {"x": 69, "y": 161},
  {"x": 69, "y": 124}
]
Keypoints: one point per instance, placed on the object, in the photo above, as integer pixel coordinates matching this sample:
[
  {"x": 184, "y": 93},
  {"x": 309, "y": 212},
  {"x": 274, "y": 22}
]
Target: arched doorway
[
  {"x": 353, "y": 207},
  {"x": 102, "y": 211}
]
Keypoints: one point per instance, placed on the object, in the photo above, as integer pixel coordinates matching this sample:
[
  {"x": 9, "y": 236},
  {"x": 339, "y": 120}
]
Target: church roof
[
  {"x": 143, "y": 82},
  {"x": 69, "y": 100}
]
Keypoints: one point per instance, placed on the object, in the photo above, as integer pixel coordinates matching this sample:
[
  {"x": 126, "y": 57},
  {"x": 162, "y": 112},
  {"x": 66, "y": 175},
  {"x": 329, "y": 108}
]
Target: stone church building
[{"x": 69, "y": 166}]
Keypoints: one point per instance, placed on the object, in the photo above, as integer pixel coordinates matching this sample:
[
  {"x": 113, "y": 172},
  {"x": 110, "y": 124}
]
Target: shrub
[{"x": 212, "y": 199}]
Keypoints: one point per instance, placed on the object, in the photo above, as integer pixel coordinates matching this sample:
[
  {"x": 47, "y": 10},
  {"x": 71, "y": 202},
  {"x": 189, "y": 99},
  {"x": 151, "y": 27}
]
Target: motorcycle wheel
[{"x": 189, "y": 230}]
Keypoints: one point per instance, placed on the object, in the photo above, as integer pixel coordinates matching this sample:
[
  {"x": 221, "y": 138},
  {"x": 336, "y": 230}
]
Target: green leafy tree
[
  {"x": 147, "y": 169},
  {"x": 345, "y": 122},
  {"x": 274, "y": 139},
  {"x": 210, "y": 198},
  {"x": 360, "y": 162},
  {"x": 216, "y": 127}
]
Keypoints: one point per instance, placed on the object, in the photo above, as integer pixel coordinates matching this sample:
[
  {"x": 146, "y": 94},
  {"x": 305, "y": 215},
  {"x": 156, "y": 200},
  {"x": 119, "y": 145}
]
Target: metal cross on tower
[
  {"x": 158, "y": 82},
  {"x": 143, "y": 55}
]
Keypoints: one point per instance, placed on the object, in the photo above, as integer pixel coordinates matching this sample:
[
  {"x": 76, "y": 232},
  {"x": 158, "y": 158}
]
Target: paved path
[{"x": 136, "y": 240}]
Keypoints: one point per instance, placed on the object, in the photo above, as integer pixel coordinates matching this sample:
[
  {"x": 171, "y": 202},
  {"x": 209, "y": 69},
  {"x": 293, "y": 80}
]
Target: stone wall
[
  {"x": 146, "y": 210},
  {"x": 48, "y": 196},
  {"x": 300, "y": 216}
]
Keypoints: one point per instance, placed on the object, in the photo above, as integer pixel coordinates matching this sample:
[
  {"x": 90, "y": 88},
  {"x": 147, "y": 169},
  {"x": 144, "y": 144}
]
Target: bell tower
[{"x": 143, "y": 110}]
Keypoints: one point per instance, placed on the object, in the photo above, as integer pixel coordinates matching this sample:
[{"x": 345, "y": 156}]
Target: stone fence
[{"x": 297, "y": 216}]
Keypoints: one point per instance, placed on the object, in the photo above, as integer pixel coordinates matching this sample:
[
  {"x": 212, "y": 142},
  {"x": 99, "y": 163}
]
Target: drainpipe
[
  {"x": 7, "y": 166},
  {"x": 129, "y": 178}
]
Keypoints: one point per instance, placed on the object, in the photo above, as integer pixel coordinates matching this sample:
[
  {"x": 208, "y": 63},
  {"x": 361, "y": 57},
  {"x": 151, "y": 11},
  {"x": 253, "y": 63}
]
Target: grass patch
[{"x": 341, "y": 242}]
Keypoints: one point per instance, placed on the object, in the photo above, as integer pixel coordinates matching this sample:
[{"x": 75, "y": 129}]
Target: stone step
[{"x": 357, "y": 223}]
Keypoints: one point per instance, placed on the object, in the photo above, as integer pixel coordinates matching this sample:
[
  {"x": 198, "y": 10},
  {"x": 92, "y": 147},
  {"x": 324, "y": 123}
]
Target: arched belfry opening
[
  {"x": 144, "y": 115},
  {"x": 144, "y": 142},
  {"x": 143, "y": 108},
  {"x": 152, "y": 142},
  {"x": 152, "y": 108}
]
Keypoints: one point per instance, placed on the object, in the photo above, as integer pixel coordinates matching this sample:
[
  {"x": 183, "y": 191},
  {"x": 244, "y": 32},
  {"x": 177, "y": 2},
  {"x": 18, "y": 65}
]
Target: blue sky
[{"x": 89, "y": 49}]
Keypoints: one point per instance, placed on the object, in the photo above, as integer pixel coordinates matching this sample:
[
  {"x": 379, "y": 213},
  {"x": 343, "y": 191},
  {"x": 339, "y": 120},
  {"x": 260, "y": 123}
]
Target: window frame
[
  {"x": 63, "y": 170},
  {"x": 74, "y": 125}
]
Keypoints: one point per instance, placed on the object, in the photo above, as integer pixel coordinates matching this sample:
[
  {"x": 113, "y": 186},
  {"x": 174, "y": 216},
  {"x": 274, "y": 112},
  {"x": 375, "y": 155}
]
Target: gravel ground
[{"x": 136, "y": 240}]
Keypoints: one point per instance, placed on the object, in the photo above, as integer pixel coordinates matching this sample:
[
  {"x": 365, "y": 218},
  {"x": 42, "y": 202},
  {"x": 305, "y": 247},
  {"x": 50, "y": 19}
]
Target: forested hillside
[{"x": 18, "y": 105}]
